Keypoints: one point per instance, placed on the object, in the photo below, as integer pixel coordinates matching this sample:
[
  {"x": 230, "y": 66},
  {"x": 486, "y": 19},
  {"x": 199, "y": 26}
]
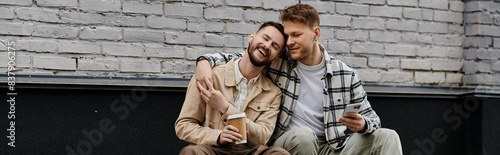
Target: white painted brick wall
[
  {"x": 411, "y": 3},
  {"x": 398, "y": 25},
  {"x": 101, "y": 6},
  {"x": 261, "y": 16},
  {"x": 352, "y": 9},
  {"x": 53, "y": 62},
  {"x": 416, "y": 64},
  {"x": 194, "y": 52},
  {"x": 205, "y": 26},
  {"x": 188, "y": 38},
  {"x": 386, "y": 11},
  {"x": 439, "y": 64},
  {"x": 178, "y": 66},
  {"x": 369, "y": 75},
  {"x": 367, "y": 48},
  {"x": 396, "y": 76},
  {"x": 38, "y": 45},
  {"x": 242, "y": 28},
  {"x": 447, "y": 16},
  {"x": 79, "y": 47},
  {"x": 122, "y": 49},
  {"x": 370, "y": 1},
  {"x": 100, "y": 33},
  {"x": 401, "y": 50},
  {"x": 454, "y": 78},
  {"x": 112, "y": 19},
  {"x": 435, "y": 4},
  {"x": 412, "y": 13},
  {"x": 430, "y": 77},
  {"x": 338, "y": 47},
  {"x": 278, "y": 5},
  {"x": 432, "y": 27},
  {"x": 165, "y": 23},
  {"x": 140, "y": 66},
  {"x": 139, "y": 35},
  {"x": 387, "y": 62},
  {"x": 334, "y": 20},
  {"x": 80, "y": 18},
  {"x": 38, "y": 14},
  {"x": 368, "y": 23},
  {"x": 58, "y": 3},
  {"x": 183, "y": 10},
  {"x": 16, "y": 28},
  {"x": 382, "y": 36},
  {"x": 496, "y": 43},
  {"x": 387, "y": 41},
  {"x": 352, "y": 35},
  {"x": 357, "y": 62},
  {"x": 55, "y": 31},
  {"x": 141, "y": 7},
  {"x": 22, "y": 61},
  {"x": 6, "y": 12},
  {"x": 224, "y": 13},
  {"x": 457, "y": 6},
  {"x": 254, "y": 3},
  {"x": 165, "y": 52},
  {"x": 98, "y": 64}
]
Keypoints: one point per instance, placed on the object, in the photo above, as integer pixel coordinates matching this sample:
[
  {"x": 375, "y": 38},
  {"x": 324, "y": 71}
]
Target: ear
[
  {"x": 250, "y": 38},
  {"x": 317, "y": 31}
]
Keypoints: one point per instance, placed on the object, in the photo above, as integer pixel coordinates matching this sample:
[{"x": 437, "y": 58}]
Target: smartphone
[{"x": 356, "y": 107}]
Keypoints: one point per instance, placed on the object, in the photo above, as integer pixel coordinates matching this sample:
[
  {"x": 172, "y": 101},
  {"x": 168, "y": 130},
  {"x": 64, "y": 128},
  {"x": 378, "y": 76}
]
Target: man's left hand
[
  {"x": 354, "y": 121},
  {"x": 212, "y": 97}
]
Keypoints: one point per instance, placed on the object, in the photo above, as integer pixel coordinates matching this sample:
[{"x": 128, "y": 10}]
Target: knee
[
  {"x": 304, "y": 136},
  {"x": 387, "y": 134},
  {"x": 191, "y": 149},
  {"x": 277, "y": 150}
]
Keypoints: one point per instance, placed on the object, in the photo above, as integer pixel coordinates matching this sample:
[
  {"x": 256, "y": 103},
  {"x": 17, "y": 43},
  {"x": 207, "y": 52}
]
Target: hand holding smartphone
[{"x": 351, "y": 108}]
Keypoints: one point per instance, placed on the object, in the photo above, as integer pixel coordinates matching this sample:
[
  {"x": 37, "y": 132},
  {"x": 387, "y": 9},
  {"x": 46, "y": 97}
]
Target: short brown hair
[
  {"x": 277, "y": 26},
  {"x": 302, "y": 13}
]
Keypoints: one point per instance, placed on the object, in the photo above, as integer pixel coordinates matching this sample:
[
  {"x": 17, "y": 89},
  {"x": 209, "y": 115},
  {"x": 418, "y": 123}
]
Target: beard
[{"x": 252, "y": 49}]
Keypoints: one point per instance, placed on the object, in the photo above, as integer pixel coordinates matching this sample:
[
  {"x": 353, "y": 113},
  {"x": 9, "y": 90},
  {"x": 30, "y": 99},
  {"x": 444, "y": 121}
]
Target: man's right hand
[
  {"x": 203, "y": 70},
  {"x": 229, "y": 135}
]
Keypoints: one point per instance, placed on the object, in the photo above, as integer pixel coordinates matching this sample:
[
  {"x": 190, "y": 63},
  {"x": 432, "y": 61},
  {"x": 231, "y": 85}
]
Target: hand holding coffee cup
[
  {"x": 229, "y": 135},
  {"x": 239, "y": 122}
]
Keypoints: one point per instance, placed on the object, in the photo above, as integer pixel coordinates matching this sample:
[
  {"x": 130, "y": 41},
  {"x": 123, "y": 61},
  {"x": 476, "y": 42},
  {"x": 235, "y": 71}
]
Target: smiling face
[
  {"x": 301, "y": 39},
  {"x": 265, "y": 46}
]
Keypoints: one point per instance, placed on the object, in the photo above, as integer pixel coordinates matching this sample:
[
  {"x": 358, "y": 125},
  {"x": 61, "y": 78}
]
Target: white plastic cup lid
[{"x": 236, "y": 116}]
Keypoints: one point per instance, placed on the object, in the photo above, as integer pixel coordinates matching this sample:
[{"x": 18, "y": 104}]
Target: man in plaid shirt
[{"x": 316, "y": 87}]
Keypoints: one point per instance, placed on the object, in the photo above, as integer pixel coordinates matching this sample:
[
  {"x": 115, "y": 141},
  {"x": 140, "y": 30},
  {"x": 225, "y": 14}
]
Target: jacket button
[{"x": 258, "y": 107}]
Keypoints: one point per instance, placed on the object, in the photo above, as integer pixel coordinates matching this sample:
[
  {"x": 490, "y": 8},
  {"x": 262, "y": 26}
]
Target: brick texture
[{"x": 410, "y": 42}]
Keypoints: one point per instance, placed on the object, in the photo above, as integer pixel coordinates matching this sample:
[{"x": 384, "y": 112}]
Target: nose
[
  {"x": 268, "y": 44},
  {"x": 290, "y": 41}
]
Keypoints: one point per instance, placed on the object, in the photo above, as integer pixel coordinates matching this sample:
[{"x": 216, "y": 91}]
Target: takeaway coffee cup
[{"x": 239, "y": 121}]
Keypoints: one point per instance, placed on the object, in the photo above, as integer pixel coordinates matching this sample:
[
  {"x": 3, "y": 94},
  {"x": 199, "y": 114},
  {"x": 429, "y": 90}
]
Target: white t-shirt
[{"x": 309, "y": 109}]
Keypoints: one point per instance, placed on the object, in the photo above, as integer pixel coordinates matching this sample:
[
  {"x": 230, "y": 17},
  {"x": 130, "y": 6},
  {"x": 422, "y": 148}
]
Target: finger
[
  {"x": 198, "y": 86},
  {"x": 353, "y": 115},
  {"x": 230, "y": 135},
  {"x": 208, "y": 83},
  {"x": 226, "y": 140},
  {"x": 231, "y": 127},
  {"x": 202, "y": 87},
  {"x": 234, "y": 136}
]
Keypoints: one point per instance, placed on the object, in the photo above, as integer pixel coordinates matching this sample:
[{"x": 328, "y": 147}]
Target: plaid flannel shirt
[{"x": 342, "y": 86}]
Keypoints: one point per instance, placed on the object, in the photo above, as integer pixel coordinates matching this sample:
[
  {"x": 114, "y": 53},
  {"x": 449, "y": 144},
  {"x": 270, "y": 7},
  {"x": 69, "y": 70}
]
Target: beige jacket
[{"x": 199, "y": 123}]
